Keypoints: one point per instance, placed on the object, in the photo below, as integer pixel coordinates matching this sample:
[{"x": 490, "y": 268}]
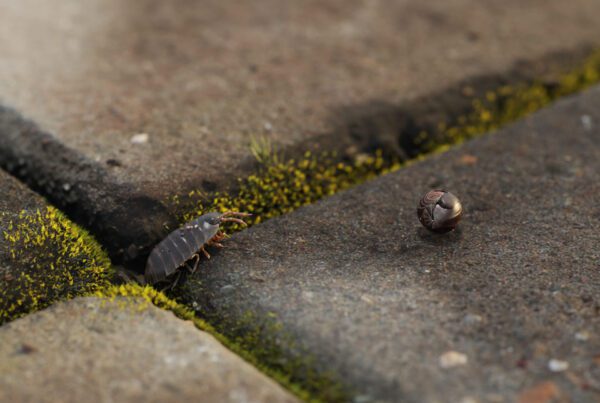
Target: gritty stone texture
[
  {"x": 126, "y": 350},
  {"x": 14, "y": 198},
  {"x": 200, "y": 78},
  {"x": 377, "y": 299},
  {"x": 43, "y": 256}
]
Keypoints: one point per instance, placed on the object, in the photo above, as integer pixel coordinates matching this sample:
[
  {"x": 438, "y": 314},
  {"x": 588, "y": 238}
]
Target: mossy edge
[
  {"x": 161, "y": 301},
  {"x": 52, "y": 259},
  {"x": 282, "y": 185}
]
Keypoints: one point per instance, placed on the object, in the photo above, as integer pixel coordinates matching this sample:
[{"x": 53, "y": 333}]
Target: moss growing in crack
[
  {"x": 49, "y": 259},
  {"x": 281, "y": 186},
  {"x": 505, "y": 105},
  {"x": 270, "y": 360},
  {"x": 266, "y": 338}
]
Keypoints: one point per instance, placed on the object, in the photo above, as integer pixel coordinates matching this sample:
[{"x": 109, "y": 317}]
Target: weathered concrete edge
[
  {"x": 44, "y": 256},
  {"x": 160, "y": 300},
  {"x": 132, "y": 306}
]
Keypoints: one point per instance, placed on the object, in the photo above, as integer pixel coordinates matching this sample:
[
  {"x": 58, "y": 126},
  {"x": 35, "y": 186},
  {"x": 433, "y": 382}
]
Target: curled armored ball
[
  {"x": 439, "y": 211},
  {"x": 175, "y": 252}
]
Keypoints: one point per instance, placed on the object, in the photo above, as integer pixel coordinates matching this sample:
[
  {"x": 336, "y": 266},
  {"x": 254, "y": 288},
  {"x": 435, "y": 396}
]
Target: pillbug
[
  {"x": 439, "y": 211},
  {"x": 185, "y": 243}
]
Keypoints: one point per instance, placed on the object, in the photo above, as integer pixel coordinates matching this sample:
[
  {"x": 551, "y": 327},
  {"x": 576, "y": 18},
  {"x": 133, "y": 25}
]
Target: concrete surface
[
  {"x": 504, "y": 308},
  {"x": 127, "y": 350},
  {"x": 200, "y": 78}
]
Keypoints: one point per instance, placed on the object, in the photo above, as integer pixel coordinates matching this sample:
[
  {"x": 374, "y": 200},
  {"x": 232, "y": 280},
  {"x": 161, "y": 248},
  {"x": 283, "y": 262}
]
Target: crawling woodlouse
[{"x": 185, "y": 243}]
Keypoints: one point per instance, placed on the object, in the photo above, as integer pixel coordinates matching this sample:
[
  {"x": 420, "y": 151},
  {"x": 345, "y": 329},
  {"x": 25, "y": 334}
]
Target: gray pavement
[
  {"x": 504, "y": 308},
  {"x": 124, "y": 350},
  {"x": 147, "y": 99}
]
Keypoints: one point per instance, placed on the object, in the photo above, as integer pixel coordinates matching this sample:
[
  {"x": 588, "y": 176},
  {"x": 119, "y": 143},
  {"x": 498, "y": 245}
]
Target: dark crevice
[
  {"x": 128, "y": 223},
  {"x": 125, "y": 222}
]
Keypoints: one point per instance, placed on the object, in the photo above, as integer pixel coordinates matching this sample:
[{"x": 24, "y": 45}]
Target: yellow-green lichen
[
  {"x": 270, "y": 344},
  {"x": 49, "y": 259},
  {"x": 281, "y": 185},
  {"x": 275, "y": 365},
  {"x": 507, "y": 104}
]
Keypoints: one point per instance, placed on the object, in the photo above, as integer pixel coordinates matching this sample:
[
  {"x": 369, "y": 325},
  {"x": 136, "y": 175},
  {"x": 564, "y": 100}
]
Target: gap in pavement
[{"x": 129, "y": 223}]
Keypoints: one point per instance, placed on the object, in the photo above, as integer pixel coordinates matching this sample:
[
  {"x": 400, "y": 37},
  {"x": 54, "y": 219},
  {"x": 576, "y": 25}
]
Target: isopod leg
[
  {"x": 173, "y": 284},
  {"x": 205, "y": 252},
  {"x": 177, "y": 277},
  {"x": 192, "y": 270},
  {"x": 214, "y": 241}
]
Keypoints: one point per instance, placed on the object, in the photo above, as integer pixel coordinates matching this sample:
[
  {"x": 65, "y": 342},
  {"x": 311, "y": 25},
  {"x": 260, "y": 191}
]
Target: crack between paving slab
[
  {"x": 128, "y": 223},
  {"x": 84, "y": 190},
  {"x": 72, "y": 182}
]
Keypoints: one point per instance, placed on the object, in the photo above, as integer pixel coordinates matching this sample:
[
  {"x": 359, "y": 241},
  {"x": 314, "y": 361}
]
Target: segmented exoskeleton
[
  {"x": 439, "y": 211},
  {"x": 184, "y": 244}
]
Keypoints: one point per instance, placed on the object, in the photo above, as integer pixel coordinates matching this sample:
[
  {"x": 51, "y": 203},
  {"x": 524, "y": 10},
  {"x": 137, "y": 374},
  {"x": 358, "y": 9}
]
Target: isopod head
[{"x": 439, "y": 211}]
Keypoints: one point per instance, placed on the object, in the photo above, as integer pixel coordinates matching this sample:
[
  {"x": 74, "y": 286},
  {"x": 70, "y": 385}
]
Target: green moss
[
  {"x": 280, "y": 185},
  {"x": 270, "y": 360},
  {"x": 507, "y": 104},
  {"x": 269, "y": 343},
  {"x": 50, "y": 259}
]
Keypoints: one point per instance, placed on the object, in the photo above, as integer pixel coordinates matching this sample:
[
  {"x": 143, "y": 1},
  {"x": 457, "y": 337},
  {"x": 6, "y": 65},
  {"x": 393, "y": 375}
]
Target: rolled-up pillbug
[
  {"x": 439, "y": 211},
  {"x": 185, "y": 243}
]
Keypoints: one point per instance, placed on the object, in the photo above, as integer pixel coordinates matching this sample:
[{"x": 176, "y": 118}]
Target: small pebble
[
  {"x": 141, "y": 138},
  {"x": 308, "y": 295},
  {"x": 542, "y": 392},
  {"x": 362, "y": 399},
  {"x": 586, "y": 122},
  {"x": 27, "y": 349},
  {"x": 582, "y": 336},
  {"x": 367, "y": 299},
  {"x": 555, "y": 365},
  {"x": 452, "y": 359},
  {"x": 472, "y": 319},
  {"x": 227, "y": 289},
  {"x": 468, "y": 159}
]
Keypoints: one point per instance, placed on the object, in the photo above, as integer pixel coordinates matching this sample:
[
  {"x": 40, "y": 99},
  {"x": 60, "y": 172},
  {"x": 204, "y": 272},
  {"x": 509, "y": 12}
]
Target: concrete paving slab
[
  {"x": 126, "y": 350},
  {"x": 504, "y": 308},
  {"x": 44, "y": 257},
  {"x": 148, "y": 99}
]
